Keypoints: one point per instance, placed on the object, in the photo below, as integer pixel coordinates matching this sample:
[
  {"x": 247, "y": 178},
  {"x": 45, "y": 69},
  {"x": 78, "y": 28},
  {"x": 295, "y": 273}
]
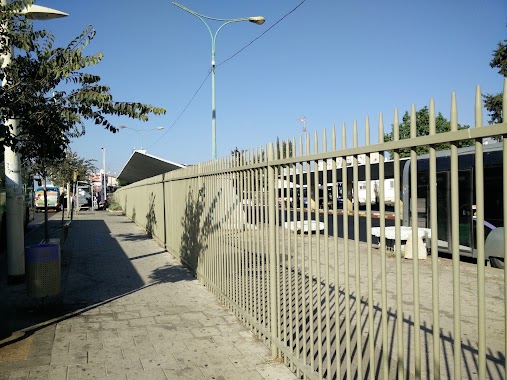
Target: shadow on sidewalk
[{"x": 95, "y": 271}]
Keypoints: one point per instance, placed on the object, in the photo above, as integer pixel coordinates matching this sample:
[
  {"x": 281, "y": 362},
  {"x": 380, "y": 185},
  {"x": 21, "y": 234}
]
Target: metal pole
[
  {"x": 213, "y": 106},
  {"x": 104, "y": 181},
  {"x": 259, "y": 20},
  {"x": 14, "y": 198}
]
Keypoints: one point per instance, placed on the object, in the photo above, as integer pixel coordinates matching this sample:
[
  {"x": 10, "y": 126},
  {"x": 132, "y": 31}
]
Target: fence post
[{"x": 272, "y": 252}]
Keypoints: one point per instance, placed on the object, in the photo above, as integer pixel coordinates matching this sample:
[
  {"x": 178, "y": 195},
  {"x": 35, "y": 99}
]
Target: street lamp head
[
  {"x": 259, "y": 20},
  {"x": 37, "y": 12},
  {"x": 159, "y": 128}
]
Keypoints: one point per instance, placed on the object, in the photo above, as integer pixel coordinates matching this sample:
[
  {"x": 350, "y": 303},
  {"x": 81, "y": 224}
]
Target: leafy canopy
[
  {"x": 493, "y": 102},
  {"x": 48, "y": 92},
  {"x": 423, "y": 129}
]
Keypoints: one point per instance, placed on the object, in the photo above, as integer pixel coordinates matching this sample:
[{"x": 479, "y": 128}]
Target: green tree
[
  {"x": 47, "y": 91},
  {"x": 63, "y": 172},
  {"x": 493, "y": 102},
  {"x": 422, "y": 123}
]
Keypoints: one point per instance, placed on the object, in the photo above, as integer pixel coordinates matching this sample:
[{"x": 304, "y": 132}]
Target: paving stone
[
  {"x": 58, "y": 373},
  {"x": 86, "y": 327},
  {"x": 115, "y": 324},
  {"x": 81, "y": 346},
  {"x": 19, "y": 374},
  {"x": 170, "y": 347},
  {"x": 178, "y": 334},
  {"x": 68, "y": 359},
  {"x": 138, "y": 352},
  {"x": 201, "y": 344},
  {"x": 105, "y": 354},
  {"x": 88, "y": 371},
  {"x": 185, "y": 373},
  {"x": 189, "y": 358},
  {"x": 160, "y": 361},
  {"x": 205, "y": 332},
  {"x": 275, "y": 372},
  {"x": 124, "y": 366},
  {"x": 156, "y": 374},
  {"x": 118, "y": 341},
  {"x": 101, "y": 334},
  {"x": 169, "y": 319}
]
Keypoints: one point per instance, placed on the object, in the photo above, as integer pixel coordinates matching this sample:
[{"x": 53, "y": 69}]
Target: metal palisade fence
[{"x": 346, "y": 263}]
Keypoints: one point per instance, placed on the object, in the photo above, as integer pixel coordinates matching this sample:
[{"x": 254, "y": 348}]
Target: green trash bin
[{"x": 43, "y": 270}]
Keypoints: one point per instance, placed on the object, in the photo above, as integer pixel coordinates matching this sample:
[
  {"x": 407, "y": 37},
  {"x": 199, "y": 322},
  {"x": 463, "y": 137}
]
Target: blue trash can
[{"x": 43, "y": 270}]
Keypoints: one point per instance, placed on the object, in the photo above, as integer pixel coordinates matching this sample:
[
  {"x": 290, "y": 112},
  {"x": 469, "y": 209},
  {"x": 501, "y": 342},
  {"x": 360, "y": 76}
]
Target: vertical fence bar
[
  {"x": 287, "y": 256},
  {"x": 504, "y": 179},
  {"x": 273, "y": 297},
  {"x": 310, "y": 259},
  {"x": 246, "y": 208},
  {"x": 250, "y": 221},
  {"x": 246, "y": 238},
  {"x": 243, "y": 235},
  {"x": 266, "y": 241},
  {"x": 279, "y": 236},
  {"x": 346, "y": 260},
  {"x": 231, "y": 237},
  {"x": 282, "y": 202},
  {"x": 415, "y": 253},
  {"x": 298, "y": 269},
  {"x": 479, "y": 206},
  {"x": 317, "y": 254},
  {"x": 232, "y": 216},
  {"x": 336, "y": 293},
  {"x": 231, "y": 176},
  {"x": 371, "y": 322},
  {"x": 294, "y": 313},
  {"x": 252, "y": 226},
  {"x": 359, "y": 324},
  {"x": 239, "y": 242},
  {"x": 455, "y": 243},
  {"x": 383, "y": 268},
  {"x": 397, "y": 225},
  {"x": 435, "y": 288},
  {"x": 258, "y": 227},
  {"x": 304, "y": 311},
  {"x": 292, "y": 270},
  {"x": 327, "y": 279}
]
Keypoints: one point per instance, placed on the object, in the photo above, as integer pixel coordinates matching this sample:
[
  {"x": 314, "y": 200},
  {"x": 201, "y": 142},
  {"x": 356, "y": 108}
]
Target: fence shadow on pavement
[{"x": 96, "y": 270}]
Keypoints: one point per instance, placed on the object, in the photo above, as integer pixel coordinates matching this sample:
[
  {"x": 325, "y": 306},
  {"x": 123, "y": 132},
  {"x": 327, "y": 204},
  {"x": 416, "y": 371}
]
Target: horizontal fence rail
[{"x": 345, "y": 263}]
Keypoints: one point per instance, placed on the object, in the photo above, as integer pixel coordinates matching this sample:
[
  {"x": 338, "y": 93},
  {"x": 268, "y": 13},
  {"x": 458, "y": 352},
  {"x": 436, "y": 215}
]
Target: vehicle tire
[{"x": 497, "y": 262}]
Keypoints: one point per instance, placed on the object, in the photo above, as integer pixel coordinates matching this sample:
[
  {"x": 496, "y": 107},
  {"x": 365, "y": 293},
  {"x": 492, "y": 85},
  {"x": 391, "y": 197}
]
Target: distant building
[{"x": 96, "y": 180}]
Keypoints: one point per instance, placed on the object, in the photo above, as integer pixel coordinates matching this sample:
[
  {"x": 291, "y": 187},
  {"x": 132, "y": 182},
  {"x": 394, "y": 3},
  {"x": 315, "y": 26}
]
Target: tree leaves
[
  {"x": 48, "y": 92},
  {"x": 493, "y": 102},
  {"x": 423, "y": 129}
]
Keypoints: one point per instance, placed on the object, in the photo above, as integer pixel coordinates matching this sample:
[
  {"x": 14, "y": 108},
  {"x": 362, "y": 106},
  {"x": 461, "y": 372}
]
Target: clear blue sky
[{"x": 331, "y": 62}]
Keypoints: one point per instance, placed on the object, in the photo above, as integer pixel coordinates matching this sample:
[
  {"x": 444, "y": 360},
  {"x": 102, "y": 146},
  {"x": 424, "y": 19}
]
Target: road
[{"x": 289, "y": 216}]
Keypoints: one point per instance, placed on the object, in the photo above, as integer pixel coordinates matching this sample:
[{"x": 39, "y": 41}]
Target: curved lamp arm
[{"x": 259, "y": 20}]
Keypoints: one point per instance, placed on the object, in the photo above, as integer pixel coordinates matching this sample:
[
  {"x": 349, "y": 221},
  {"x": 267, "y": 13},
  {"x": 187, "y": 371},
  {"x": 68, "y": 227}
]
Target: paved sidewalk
[{"x": 127, "y": 310}]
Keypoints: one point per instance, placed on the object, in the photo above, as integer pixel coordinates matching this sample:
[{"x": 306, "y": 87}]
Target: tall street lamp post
[
  {"x": 141, "y": 132},
  {"x": 259, "y": 20},
  {"x": 12, "y": 161}
]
